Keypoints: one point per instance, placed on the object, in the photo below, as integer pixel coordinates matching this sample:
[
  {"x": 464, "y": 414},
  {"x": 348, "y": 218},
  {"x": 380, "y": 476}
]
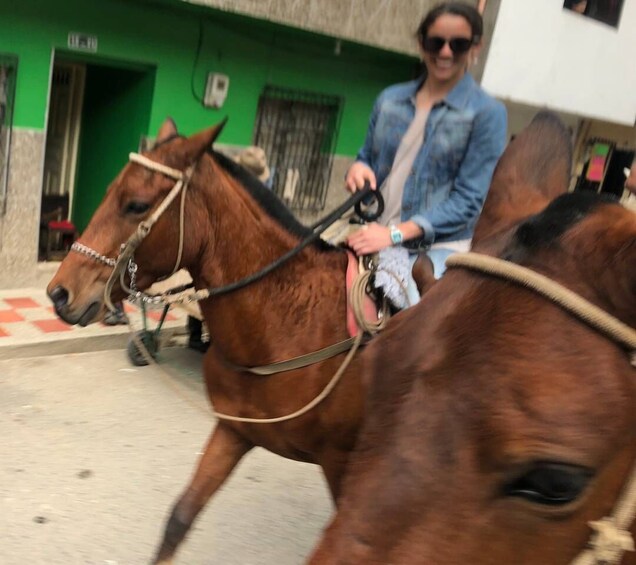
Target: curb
[{"x": 73, "y": 344}]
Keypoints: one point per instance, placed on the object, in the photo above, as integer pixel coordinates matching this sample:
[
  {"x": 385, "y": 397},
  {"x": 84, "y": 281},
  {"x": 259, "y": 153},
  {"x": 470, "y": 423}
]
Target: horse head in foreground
[{"x": 498, "y": 424}]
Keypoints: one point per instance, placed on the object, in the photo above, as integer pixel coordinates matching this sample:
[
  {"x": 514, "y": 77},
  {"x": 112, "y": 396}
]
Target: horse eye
[
  {"x": 136, "y": 208},
  {"x": 551, "y": 484}
]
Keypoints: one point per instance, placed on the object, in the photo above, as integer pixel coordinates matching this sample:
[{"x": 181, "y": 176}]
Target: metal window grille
[
  {"x": 298, "y": 131},
  {"x": 8, "y": 69}
]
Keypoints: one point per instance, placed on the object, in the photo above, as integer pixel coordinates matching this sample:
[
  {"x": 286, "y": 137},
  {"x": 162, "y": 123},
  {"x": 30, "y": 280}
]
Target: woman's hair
[{"x": 466, "y": 11}]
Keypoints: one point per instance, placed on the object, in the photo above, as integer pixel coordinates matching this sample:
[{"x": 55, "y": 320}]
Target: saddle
[{"x": 369, "y": 306}]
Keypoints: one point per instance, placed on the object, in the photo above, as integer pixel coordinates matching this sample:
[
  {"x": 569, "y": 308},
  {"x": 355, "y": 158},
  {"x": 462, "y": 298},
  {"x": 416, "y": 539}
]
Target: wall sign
[{"x": 82, "y": 41}]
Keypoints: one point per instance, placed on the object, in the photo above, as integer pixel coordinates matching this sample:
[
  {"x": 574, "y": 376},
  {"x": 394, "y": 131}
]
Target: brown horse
[
  {"x": 497, "y": 424},
  {"x": 233, "y": 227}
]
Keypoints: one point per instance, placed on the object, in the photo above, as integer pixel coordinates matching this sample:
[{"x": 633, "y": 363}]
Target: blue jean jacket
[{"x": 464, "y": 137}]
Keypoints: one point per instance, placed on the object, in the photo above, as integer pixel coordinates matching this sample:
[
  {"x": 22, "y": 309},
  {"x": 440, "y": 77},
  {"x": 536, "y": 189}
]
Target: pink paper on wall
[{"x": 598, "y": 160}]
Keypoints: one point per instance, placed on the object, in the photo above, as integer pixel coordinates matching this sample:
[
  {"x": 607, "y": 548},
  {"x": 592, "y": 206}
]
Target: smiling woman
[{"x": 431, "y": 146}]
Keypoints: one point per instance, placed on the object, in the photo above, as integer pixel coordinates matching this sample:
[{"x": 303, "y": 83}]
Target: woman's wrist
[
  {"x": 396, "y": 235},
  {"x": 409, "y": 230}
]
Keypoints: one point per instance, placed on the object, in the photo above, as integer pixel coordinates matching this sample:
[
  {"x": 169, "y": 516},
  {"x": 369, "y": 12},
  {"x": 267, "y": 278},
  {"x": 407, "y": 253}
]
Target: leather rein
[{"x": 124, "y": 263}]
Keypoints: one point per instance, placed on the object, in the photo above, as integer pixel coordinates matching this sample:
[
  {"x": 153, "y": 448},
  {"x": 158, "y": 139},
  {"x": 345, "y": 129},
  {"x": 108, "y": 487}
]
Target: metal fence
[
  {"x": 8, "y": 70},
  {"x": 298, "y": 131}
]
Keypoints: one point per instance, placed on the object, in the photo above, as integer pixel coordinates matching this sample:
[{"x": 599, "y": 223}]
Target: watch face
[{"x": 396, "y": 235}]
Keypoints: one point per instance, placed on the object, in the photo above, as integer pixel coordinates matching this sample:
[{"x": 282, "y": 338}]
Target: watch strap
[{"x": 397, "y": 237}]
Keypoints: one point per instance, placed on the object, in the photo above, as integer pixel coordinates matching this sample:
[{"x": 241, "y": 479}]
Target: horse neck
[{"x": 306, "y": 294}]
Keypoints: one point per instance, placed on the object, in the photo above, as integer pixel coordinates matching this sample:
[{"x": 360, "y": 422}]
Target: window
[
  {"x": 298, "y": 131},
  {"x": 606, "y": 11},
  {"x": 8, "y": 69}
]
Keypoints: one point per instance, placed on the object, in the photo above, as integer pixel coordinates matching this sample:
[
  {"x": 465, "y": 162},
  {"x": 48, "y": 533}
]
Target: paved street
[{"x": 94, "y": 452}]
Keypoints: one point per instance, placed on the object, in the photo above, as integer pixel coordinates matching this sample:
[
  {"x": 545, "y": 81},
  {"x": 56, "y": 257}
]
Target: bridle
[
  {"x": 125, "y": 260},
  {"x": 124, "y": 263},
  {"x": 611, "y": 537}
]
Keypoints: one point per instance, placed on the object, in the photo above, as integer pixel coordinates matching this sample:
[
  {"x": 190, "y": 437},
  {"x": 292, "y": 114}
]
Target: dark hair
[{"x": 466, "y": 11}]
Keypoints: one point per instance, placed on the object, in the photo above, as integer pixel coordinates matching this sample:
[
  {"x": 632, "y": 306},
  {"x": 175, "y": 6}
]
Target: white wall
[{"x": 543, "y": 55}]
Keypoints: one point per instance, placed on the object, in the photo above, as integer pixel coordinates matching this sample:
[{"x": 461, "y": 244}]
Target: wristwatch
[{"x": 397, "y": 236}]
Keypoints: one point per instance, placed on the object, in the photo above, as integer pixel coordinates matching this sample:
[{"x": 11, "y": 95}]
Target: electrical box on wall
[{"x": 216, "y": 89}]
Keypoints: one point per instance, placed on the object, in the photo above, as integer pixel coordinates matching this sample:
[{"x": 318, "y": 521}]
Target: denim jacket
[{"x": 464, "y": 137}]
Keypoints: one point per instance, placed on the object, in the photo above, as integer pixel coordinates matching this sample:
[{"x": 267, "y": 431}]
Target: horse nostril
[{"x": 59, "y": 297}]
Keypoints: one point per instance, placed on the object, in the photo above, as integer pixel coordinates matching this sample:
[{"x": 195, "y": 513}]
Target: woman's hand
[
  {"x": 357, "y": 175},
  {"x": 370, "y": 238}
]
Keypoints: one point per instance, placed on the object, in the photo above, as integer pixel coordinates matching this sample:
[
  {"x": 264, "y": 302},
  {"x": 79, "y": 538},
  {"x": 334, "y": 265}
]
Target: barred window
[
  {"x": 298, "y": 131},
  {"x": 8, "y": 69}
]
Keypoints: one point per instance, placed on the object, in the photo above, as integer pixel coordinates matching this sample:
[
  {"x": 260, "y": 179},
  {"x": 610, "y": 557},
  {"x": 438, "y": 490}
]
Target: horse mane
[
  {"x": 266, "y": 199},
  {"x": 559, "y": 216}
]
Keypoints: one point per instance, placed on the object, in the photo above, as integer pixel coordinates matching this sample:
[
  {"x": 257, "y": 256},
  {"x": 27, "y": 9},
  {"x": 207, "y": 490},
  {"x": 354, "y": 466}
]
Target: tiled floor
[{"x": 26, "y": 315}]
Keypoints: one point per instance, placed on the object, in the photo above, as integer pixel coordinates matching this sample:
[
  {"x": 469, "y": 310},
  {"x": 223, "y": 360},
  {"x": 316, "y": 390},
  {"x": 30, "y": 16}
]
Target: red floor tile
[
  {"x": 22, "y": 303},
  {"x": 49, "y": 326},
  {"x": 10, "y": 316},
  {"x": 3, "y": 333}
]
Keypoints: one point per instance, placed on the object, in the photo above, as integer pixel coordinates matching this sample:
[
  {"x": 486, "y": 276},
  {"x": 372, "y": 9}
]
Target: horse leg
[{"x": 224, "y": 450}]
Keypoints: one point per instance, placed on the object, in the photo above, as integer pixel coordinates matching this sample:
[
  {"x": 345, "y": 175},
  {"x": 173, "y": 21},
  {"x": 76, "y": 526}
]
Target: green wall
[
  {"x": 115, "y": 114},
  {"x": 165, "y": 35}
]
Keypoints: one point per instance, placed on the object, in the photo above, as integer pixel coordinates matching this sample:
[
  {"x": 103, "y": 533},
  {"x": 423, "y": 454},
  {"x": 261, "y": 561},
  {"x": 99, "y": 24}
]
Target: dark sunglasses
[{"x": 458, "y": 45}]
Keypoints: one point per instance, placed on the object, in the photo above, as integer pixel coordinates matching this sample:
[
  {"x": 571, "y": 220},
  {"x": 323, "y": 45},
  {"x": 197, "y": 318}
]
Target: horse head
[
  {"x": 498, "y": 424},
  {"x": 136, "y": 194}
]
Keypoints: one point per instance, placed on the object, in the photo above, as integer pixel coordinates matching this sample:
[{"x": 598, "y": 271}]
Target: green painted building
[{"x": 84, "y": 82}]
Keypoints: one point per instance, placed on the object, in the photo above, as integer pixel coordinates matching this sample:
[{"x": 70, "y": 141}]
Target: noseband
[
  {"x": 611, "y": 537},
  {"x": 125, "y": 261}
]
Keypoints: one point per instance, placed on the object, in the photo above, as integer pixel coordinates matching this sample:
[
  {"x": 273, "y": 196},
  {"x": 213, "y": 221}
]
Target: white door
[{"x": 62, "y": 134}]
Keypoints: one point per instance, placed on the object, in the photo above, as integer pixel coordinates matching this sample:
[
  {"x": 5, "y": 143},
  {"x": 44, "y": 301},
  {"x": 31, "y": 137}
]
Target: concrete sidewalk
[{"x": 29, "y": 326}]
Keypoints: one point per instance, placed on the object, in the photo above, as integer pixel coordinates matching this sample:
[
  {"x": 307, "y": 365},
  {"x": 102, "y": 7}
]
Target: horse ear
[
  {"x": 533, "y": 170},
  {"x": 200, "y": 142},
  {"x": 168, "y": 129}
]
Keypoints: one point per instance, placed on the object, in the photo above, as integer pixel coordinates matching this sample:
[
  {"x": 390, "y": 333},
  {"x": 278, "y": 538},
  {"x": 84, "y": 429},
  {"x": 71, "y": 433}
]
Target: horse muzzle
[{"x": 84, "y": 316}]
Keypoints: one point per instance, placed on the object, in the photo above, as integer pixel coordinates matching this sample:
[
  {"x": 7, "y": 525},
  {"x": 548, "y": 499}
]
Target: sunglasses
[{"x": 458, "y": 45}]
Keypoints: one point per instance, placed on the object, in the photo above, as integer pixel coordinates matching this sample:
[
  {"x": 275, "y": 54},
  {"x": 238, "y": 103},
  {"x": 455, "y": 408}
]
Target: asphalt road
[{"x": 93, "y": 453}]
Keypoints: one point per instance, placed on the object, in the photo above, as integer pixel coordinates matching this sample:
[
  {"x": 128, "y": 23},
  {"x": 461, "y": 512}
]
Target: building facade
[
  {"x": 546, "y": 54},
  {"x": 84, "y": 82}
]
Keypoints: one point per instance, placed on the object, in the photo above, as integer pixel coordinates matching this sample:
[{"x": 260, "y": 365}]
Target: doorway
[{"x": 98, "y": 113}]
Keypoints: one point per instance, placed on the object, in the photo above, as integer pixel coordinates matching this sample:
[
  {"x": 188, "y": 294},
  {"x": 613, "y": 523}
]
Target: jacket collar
[{"x": 456, "y": 98}]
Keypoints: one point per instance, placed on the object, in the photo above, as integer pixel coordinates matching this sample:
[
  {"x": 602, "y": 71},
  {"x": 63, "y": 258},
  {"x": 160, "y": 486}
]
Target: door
[{"x": 63, "y": 128}]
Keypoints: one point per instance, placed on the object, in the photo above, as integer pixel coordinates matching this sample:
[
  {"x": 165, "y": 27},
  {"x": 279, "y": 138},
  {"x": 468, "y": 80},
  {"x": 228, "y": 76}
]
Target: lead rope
[
  {"x": 358, "y": 289},
  {"x": 611, "y": 537}
]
